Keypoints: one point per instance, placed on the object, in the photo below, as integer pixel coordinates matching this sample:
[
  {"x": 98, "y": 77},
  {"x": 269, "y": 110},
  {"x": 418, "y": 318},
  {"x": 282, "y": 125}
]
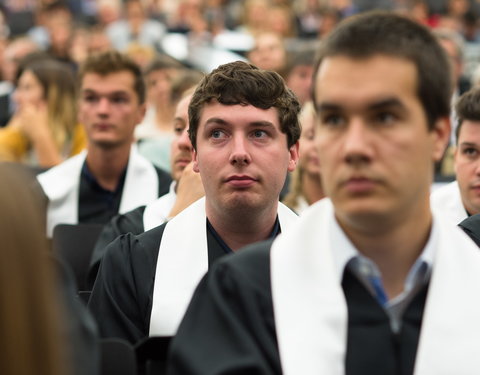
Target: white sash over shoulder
[
  {"x": 182, "y": 262},
  {"x": 447, "y": 201},
  {"x": 61, "y": 185},
  {"x": 156, "y": 212},
  {"x": 311, "y": 315}
]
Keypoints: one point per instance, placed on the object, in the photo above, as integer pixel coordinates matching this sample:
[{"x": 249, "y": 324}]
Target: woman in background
[
  {"x": 43, "y": 131},
  {"x": 306, "y": 182}
]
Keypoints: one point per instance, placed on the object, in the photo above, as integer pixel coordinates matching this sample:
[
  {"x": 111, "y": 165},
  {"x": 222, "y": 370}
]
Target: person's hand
[
  {"x": 189, "y": 190},
  {"x": 32, "y": 121}
]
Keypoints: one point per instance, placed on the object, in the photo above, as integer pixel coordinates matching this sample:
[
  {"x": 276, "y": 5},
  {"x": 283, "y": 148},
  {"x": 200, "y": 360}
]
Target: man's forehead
[
  {"x": 122, "y": 79},
  {"x": 364, "y": 79},
  {"x": 469, "y": 131},
  {"x": 181, "y": 110},
  {"x": 230, "y": 113}
]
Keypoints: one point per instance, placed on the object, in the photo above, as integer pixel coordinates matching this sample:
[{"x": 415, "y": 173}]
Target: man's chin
[
  {"x": 105, "y": 143},
  {"x": 244, "y": 203}
]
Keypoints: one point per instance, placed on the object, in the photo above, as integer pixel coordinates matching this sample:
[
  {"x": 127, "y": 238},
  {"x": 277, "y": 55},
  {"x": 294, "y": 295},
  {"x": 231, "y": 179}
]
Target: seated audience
[
  {"x": 306, "y": 182},
  {"x": 461, "y": 198},
  {"x": 109, "y": 177},
  {"x": 369, "y": 281},
  {"x": 43, "y": 130},
  {"x": 154, "y": 134},
  {"x": 244, "y": 131},
  {"x": 185, "y": 189}
]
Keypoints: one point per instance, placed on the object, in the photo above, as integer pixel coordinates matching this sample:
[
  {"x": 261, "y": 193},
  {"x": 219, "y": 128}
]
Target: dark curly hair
[{"x": 242, "y": 83}]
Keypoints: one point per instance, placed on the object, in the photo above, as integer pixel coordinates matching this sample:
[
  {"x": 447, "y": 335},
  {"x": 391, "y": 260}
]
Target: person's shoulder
[
  {"x": 135, "y": 248},
  {"x": 130, "y": 222},
  {"x": 164, "y": 180},
  {"x": 249, "y": 266}
]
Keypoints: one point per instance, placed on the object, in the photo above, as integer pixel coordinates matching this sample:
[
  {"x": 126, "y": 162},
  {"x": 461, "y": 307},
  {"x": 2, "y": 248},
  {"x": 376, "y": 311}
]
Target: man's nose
[
  {"x": 240, "y": 154},
  {"x": 184, "y": 140},
  {"x": 357, "y": 142}
]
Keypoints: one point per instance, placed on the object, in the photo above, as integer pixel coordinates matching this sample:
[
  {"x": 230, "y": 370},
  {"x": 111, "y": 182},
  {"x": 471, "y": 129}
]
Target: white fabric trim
[
  {"x": 61, "y": 185},
  {"x": 156, "y": 212},
  {"x": 311, "y": 314},
  {"x": 447, "y": 202},
  {"x": 182, "y": 262}
]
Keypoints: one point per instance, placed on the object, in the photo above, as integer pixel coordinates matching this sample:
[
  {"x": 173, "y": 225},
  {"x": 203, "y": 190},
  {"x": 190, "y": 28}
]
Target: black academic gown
[
  {"x": 130, "y": 222},
  {"x": 471, "y": 226},
  {"x": 229, "y": 326},
  {"x": 121, "y": 299}
]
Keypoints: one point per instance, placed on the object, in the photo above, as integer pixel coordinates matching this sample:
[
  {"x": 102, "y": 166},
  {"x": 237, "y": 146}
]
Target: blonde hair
[
  {"x": 296, "y": 177},
  {"x": 29, "y": 305},
  {"x": 58, "y": 83}
]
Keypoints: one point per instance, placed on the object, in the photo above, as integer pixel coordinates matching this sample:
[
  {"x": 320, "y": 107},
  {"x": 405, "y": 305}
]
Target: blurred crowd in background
[{"x": 168, "y": 37}]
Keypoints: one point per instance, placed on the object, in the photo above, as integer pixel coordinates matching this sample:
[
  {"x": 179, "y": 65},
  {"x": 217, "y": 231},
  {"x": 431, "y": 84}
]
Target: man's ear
[
  {"x": 294, "y": 154},
  {"x": 195, "y": 161},
  {"x": 441, "y": 133}
]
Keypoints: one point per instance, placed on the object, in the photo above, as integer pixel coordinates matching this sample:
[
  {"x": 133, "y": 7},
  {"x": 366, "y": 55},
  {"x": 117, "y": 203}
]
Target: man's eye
[
  {"x": 332, "y": 120},
  {"x": 119, "y": 100},
  {"x": 470, "y": 152},
  {"x": 260, "y": 133},
  {"x": 385, "y": 118},
  {"x": 217, "y": 134},
  {"x": 178, "y": 130},
  {"x": 90, "y": 99}
]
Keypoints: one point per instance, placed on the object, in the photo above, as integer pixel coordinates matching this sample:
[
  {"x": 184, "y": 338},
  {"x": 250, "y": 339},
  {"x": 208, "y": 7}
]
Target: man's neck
[
  {"x": 393, "y": 247},
  {"x": 239, "y": 230},
  {"x": 107, "y": 165}
]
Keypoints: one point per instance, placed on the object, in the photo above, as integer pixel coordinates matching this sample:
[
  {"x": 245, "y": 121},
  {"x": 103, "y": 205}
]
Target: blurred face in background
[
  {"x": 308, "y": 151},
  {"x": 29, "y": 90},
  {"x": 109, "y": 108},
  {"x": 300, "y": 81},
  {"x": 159, "y": 85},
  {"x": 181, "y": 148},
  {"x": 269, "y": 52},
  {"x": 467, "y": 165}
]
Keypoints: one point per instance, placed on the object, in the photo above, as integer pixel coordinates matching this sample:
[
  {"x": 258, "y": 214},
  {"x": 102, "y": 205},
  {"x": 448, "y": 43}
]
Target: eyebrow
[
  {"x": 220, "y": 121},
  {"x": 114, "y": 93},
  {"x": 469, "y": 144},
  {"x": 385, "y": 103}
]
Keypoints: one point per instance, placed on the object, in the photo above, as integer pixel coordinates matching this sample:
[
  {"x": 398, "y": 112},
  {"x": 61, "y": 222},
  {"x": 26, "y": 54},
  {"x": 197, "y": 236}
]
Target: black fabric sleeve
[
  {"x": 229, "y": 326},
  {"x": 121, "y": 299},
  {"x": 164, "y": 181},
  {"x": 130, "y": 222}
]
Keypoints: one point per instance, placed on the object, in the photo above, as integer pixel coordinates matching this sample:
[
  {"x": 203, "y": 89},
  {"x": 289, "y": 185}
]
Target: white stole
[
  {"x": 182, "y": 262},
  {"x": 156, "y": 212},
  {"x": 311, "y": 314},
  {"x": 61, "y": 185},
  {"x": 447, "y": 202}
]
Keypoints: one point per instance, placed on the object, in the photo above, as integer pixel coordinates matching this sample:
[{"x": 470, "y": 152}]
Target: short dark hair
[
  {"x": 467, "y": 108},
  {"x": 243, "y": 83},
  {"x": 112, "y": 61},
  {"x": 383, "y": 33}
]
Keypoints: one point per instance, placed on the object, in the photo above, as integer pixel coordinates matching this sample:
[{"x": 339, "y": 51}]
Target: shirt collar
[
  {"x": 275, "y": 231},
  {"x": 344, "y": 250}
]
